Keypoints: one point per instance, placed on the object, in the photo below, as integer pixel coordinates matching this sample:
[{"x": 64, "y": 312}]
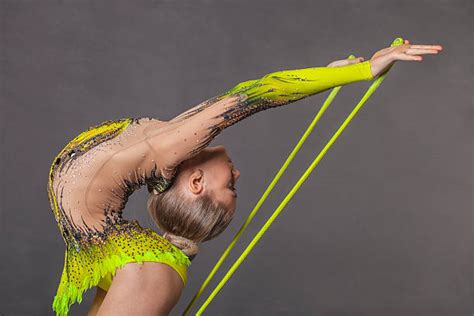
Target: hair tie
[{"x": 188, "y": 246}]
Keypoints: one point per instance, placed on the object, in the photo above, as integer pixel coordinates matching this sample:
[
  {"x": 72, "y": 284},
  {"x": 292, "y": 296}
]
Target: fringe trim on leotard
[{"x": 85, "y": 268}]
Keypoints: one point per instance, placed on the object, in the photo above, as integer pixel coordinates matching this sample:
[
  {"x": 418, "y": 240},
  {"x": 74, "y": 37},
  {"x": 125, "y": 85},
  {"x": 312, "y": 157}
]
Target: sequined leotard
[{"x": 91, "y": 179}]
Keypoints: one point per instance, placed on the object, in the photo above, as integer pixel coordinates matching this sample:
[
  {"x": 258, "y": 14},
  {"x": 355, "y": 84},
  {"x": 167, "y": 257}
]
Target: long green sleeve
[{"x": 290, "y": 85}]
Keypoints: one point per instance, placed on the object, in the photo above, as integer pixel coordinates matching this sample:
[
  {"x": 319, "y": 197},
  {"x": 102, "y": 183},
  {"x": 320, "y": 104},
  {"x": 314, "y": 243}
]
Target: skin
[
  {"x": 150, "y": 288},
  {"x": 154, "y": 288},
  {"x": 98, "y": 299},
  {"x": 213, "y": 172}
]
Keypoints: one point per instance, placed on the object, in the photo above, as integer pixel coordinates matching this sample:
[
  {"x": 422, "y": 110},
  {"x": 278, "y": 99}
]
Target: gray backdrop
[{"x": 382, "y": 227}]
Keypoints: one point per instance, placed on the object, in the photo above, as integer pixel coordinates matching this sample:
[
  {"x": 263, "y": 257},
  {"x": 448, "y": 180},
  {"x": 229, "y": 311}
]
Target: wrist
[{"x": 369, "y": 69}]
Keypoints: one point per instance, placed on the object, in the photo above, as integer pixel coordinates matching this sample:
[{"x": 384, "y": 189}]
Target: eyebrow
[{"x": 231, "y": 171}]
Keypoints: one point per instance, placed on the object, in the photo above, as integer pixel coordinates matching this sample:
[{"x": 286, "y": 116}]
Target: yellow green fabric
[
  {"x": 287, "y": 86},
  {"x": 93, "y": 266},
  {"x": 106, "y": 281}
]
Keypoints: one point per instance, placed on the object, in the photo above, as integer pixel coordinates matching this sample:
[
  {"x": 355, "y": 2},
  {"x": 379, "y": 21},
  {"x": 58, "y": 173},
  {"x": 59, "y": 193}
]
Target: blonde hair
[{"x": 187, "y": 221}]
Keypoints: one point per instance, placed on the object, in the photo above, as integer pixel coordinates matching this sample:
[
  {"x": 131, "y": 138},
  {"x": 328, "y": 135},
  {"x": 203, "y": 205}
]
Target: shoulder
[
  {"x": 152, "y": 275},
  {"x": 155, "y": 284}
]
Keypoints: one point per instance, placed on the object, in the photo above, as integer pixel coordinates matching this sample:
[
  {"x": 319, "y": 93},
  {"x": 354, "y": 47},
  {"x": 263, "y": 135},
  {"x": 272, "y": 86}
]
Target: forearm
[{"x": 287, "y": 86}]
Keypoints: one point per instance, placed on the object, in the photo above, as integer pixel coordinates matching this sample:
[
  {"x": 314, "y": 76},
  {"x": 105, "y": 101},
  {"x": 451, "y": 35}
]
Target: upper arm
[
  {"x": 187, "y": 134},
  {"x": 97, "y": 302},
  {"x": 151, "y": 288}
]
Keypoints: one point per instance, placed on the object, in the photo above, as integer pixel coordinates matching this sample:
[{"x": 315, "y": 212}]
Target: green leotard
[{"x": 92, "y": 177}]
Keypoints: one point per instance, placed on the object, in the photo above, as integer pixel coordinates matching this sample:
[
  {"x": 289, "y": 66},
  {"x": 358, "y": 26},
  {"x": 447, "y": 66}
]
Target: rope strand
[{"x": 288, "y": 197}]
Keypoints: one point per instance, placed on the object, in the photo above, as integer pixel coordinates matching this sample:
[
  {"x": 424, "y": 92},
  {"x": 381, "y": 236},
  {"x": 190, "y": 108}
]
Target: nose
[{"x": 236, "y": 174}]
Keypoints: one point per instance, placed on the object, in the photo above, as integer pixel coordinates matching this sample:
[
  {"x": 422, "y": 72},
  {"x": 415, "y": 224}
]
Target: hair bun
[{"x": 188, "y": 246}]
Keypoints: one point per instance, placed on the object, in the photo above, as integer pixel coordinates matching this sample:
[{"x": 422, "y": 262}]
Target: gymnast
[{"x": 135, "y": 270}]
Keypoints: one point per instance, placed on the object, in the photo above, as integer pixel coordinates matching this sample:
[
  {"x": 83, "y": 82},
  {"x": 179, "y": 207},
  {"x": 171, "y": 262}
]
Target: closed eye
[{"x": 232, "y": 182}]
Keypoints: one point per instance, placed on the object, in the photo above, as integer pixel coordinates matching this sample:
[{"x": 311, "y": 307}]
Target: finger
[
  {"x": 415, "y": 51},
  {"x": 438, "y": 47},
  {"x": 338, "y": 63},
  {"x": 355, "y": 60}
]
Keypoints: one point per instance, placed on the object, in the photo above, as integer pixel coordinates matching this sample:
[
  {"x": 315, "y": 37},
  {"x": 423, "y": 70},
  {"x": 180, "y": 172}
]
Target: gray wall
[{"x": 382, "y": 227}]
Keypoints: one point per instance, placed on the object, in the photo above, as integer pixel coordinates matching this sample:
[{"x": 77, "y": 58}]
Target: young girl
[{"x": 192, "y": 188}]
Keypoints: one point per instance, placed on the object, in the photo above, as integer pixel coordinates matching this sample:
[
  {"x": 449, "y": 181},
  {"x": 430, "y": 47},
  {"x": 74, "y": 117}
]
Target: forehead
[
  {"x": 220, "y": 151},
  {"x": 224, "y": 157}
]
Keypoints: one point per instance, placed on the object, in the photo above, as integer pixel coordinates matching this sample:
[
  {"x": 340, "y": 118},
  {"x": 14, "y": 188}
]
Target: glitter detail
[
  {"x": 92, "y": 137},
  {"x": 92, "y": 251},
  {"x": 126, "y": 242},
  {"x": 157, "y": 182}
]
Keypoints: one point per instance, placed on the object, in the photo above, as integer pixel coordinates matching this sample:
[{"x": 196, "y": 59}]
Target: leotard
[{"x": 92, "y": 177}]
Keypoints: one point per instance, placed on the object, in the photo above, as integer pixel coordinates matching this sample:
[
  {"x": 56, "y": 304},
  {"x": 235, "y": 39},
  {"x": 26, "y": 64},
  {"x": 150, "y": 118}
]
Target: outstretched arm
[
  {"x": 285, "y": 86},
  {"x": 191, "y": 131}
]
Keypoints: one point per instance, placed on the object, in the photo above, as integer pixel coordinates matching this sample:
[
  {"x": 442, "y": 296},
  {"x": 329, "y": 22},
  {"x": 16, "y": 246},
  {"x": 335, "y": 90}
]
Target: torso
[{"x": 95, "y": 177}]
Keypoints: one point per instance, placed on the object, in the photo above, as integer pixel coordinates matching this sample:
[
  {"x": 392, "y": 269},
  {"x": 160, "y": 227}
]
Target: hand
[
  {"x": 382, "y": 60},
  {"x": 344, "y": 62}
]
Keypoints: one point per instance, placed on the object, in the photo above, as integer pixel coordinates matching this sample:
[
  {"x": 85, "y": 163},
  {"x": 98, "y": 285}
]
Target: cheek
[
  {"x": 232, "y": 210},
  {"x": 217, "y": 181},
  {"x": 229, "y": 200},
  {"x": 222, "y": 179},
  {"x": 233, "y": 204}
]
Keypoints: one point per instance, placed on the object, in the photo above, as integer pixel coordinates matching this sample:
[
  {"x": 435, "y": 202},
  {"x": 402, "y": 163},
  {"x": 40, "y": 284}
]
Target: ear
[{"x": 196, "y": 181}]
